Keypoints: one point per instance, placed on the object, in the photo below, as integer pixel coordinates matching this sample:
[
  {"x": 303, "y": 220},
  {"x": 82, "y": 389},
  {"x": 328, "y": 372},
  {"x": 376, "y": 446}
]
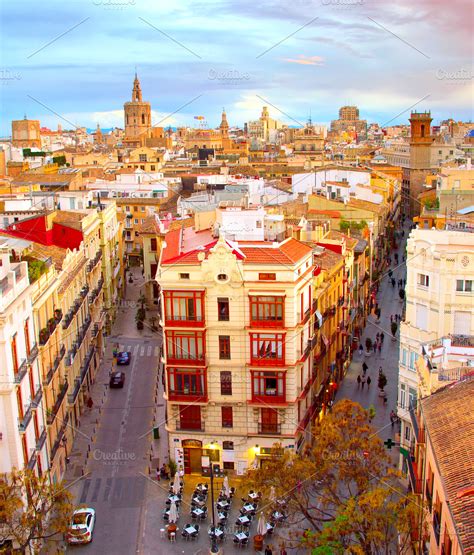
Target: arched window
[
  {"x": 422, "y": 130},
  {"x": 143, "y": 119}
]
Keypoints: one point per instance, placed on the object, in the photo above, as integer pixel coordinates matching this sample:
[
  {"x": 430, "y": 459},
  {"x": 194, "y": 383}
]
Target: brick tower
[
  {"x": 420, "y": 156},
  {"x": 137, "y": 113}
]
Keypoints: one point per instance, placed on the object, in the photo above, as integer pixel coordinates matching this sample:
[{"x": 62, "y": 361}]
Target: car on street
[
  {"x": 82, "y": 525},
  {"x": 123, "y": 358},
  {"x": 117, "y": 379}
]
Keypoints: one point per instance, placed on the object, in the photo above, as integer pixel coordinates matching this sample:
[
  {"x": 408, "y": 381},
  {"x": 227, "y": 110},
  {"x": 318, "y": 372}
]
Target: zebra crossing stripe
[{"x": 148, "y": 351}]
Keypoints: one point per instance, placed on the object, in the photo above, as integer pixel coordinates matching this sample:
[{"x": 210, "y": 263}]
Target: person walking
[
  {"x": 380, "y": 371},
  {"x": 393, "y": 283},
  {"x": 382, "y": 337},
  {"x": 369, "y": 381},
  {"x": 375, "y": 346},
  {"x": 393, "y": 417},
  {"x": 361, "y": 349},
  {"x": 363, "y": 382},
  {"x": 359, "y": 379},
  {"x": 380, "y": 348},
  {"x": 268, "y": 550},
  {"x": 364, "y": 368},
  {"x": 384, "y": 398}
]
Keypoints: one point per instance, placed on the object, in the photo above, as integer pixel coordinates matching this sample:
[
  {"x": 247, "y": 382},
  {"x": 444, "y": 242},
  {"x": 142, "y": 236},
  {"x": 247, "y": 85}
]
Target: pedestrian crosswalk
[
  {"x": 120, "y": 492},
  {"x": 140, "y": 350}
]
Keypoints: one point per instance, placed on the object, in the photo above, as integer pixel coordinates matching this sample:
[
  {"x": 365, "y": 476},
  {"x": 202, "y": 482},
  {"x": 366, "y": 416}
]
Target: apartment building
[
  {"x": 439, "y": 302},
  {"x": 237, "y": 321},
  {"x": 22, "y": 417}
]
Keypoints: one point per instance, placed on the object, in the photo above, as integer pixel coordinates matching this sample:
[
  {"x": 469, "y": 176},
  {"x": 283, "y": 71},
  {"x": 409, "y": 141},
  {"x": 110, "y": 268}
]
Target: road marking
[
  {"x": 142, "y": 351},
  {"x": 135, "y": 350},
  {"x": 149, "y": 350},
  {"x": 157, "y": 351}
]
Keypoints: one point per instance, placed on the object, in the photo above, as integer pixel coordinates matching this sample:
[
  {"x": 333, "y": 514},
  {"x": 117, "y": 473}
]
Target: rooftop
[{"x": 449, "y": 421}]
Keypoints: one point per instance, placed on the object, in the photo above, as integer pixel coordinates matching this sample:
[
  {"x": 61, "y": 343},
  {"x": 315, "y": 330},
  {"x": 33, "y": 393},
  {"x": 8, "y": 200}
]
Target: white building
[{"x": 22, "y": 419}]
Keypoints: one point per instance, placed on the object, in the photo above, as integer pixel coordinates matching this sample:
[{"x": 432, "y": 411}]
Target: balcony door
[
  {"x": 190, "y": 417},
  {"x": 269, "y": 421}
]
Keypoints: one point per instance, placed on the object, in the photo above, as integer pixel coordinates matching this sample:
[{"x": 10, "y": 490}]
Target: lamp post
[{"x": 214, "y": 548}]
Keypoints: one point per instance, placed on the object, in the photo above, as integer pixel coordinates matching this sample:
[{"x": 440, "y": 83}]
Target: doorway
[{"x": 192, "y": 460}]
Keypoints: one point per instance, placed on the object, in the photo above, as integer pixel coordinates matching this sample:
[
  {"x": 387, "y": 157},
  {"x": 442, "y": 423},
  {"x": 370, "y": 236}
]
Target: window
[
  {"x": 464, "y": 285},
  {"x": 152, "y": 167},
  {"x": 269, "y": 386},
  {"x": 228, "y": 445},
  {"x": 412, "y": 398},
  {"x": 259, "y": 224},
  {"x": 462, "y": 322},
  {"x": 27, "y": 337},
  {"x": 403, "y": 396},
  {"x": 422, "y": 317},
  {"x": 267, "y": 311},
  {"x": 184, "y": 306},
  {"x": 184, "y": 276},
  {"x": 185, "y": 345},
  {"x": 223, "y": 309},
  {"x": 14, "y": 354},
  {"x": 127, "y": 208},
  {"x": 222, "y": 277},
  {"x": 154, "y": 246},
  {"x": 187, "y": 384},
  {"x": 268, "y": 421},
  {"x": 407, "y": 432},
  {"x": 267, "y": 277},
  {"x": 227, "y": 417},
  {"x": 226, "y": 383},
  {"x": 136, "y": 220},
  {"x": 224, "y": 347},
  {"x": 142, "y": 209},
  {"x": 423, "y": 280},
  {"x": 412, "y": 360},
  {"x": 267, "y": 349},
  {"x": 404, "y": 357},
  {"x": 142, "y": 157}
]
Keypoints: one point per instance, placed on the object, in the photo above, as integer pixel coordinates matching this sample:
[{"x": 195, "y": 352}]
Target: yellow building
[
  {"x": 143, "y": 158},
  {"x": 152, "y": 235},
  {"x": 26, "y": 133}
]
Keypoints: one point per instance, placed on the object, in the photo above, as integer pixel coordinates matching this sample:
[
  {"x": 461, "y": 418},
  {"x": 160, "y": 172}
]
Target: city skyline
[{"x": 197, "y": 58}]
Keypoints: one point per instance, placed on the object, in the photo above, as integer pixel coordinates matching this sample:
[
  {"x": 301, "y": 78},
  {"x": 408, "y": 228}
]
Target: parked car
[
  {"x": 117, "y": 379},
  {"x": 123, "y": 358},
  {"x": 82, "y": 525}
]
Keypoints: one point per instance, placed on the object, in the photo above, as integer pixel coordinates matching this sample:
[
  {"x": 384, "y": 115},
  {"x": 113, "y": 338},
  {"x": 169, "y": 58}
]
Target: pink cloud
[{"x": 306, "y": 60}]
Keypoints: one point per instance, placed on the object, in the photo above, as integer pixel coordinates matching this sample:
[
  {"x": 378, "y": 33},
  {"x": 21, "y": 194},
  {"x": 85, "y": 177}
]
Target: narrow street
[
  {"x": 110, "y": 460},
  {"x": 390, "y": 304}
]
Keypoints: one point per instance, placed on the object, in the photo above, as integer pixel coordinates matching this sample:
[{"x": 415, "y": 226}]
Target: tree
[
  {"x": 32, "y": 509},
  {"x": 368, "y": 344},
  {"x": 382, "y": 381},
  {"x": 401, "y": 294},
  {"x": 394, "y": 328},
  {"x": 344, "y": 492}
]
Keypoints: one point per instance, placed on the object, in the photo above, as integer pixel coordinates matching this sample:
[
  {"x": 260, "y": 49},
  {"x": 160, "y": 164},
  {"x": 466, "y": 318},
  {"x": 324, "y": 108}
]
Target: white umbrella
[
  {"x": 176, "y": 485},
  {"x": 173, "y": 513},
  {"x": 272, "y": 494},
  {"x": 262, "y": 525},
  {"x": 226, "y": 487}
]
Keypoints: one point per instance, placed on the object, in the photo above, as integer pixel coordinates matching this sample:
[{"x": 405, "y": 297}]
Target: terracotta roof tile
[{"x": 449, "y": 419}]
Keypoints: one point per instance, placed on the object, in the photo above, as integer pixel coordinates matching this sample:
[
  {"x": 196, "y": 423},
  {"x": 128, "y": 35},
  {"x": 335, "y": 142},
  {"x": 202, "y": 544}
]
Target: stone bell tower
[
  {"x": 137, "y": 113},
  {"x": 421, "y": 141}
]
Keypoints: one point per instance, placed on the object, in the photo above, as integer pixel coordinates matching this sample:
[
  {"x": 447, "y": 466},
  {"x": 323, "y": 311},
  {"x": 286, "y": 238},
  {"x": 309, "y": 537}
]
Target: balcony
[
  {"x": 269, "y": 428},
  {"x": 41, "y": 440},
  {"x": 270, "y": 322},
  {"x": 96, "y": 292},
  {"x": 191, "y": 426},
  {"x": 49, "y": 376},
  {"x": 33, "y": 354},
  {"x": 51, "y": 414},
  {"x": 23, "y": 422},
  {"x": 58, "y": 441},
  {"x": 94, "y": 261},
  {"x": 37, "y": 398},
  {"x": 436, "y": 525},
  {"x": 187, "y": 394},
  {"x": 32, "y": 460},
  {"x": 416, "y": 483},
  {"x": 71, "y": 398},
  {"x": 270, "y": 397},
  {"x": 68, "y": 318},
  {"x": 21, "y": 372},
  {"x": 186, "y": 321},
  {"x": 190, "y": 359}
]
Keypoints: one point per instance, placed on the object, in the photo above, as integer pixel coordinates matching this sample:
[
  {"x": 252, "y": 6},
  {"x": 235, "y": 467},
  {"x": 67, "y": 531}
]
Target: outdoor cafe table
[
  {"x": 174, "y": 498},
  {"x": 243, "y": 519},
  {"x": 197, "y": 512},
  {"x": 223, "y": 504},
  {"x": 190, "y": 530},
  {"x": 167, "y": 514},
  {"x": 253, "y": 495},
  {"x": 217, "y": 533},
  {"x": 240, "y": 536},
  {"x": 248, "y": 508},
  {"x": 278, "y": 516},
  {"x": 199, "y": 500},
  {"x": 202, "y": 488}
]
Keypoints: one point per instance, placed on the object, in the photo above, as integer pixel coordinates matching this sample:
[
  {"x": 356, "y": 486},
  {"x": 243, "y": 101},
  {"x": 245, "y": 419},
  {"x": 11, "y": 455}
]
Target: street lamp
[{"x": 214, "y": 548}]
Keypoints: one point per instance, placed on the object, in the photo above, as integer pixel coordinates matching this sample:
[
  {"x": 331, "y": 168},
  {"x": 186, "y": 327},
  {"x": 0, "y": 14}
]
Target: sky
[{"x": 73, "y": 62}]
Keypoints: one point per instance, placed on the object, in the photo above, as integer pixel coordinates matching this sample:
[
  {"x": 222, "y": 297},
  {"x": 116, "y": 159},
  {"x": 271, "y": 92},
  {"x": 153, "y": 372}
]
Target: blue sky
[{"x": 194, "y": 57}]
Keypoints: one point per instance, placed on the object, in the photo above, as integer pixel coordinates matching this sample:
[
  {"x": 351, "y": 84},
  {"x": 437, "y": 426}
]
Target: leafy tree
[
  {"x": 32, "y": 509},
  {"x": 59, "y": 160},
  {"x": 382, "y": 381},
  {"x": 343, "y": 495},
  {"x": 35, "y": 269},
  {"x": 401, "y": 294},
  {"x": 394, "y": 328},
  {"x": 368, "y": 344}
]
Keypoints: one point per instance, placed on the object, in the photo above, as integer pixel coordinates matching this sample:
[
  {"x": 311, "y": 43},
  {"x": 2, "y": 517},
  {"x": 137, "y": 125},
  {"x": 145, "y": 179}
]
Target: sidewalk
[{"x": 389, "y": 303}]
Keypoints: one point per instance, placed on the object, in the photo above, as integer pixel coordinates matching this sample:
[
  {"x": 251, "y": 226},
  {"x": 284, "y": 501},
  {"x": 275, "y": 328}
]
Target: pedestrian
[
  {"x": 391, "y": 320},
  {"x": 393, "y": 283},
  {"x": 380, "y": 371},
  {"x": 377, "y": 336},
  {"x": 268, "y": 550},
  {"x": 375, "y": 346},
  {"x": 90, "y": 402},
  {"x": 390, "y": 273},
  {"x": 380, "y": 348},
  {"x": 404, "y": 280},
  {"x": 361, "y": 349},
  {"x": 364, "y": 368},
  {"x": 363, "y": 382},
  {"x": 282, "y": 549},
  {"x": 379, "y": 312},
  {"x": 393, "y": 417},
  {"x": 158, "y": 474},
  {"x": 368, "y": 382},
  {"x": 384, "y": 398},
  {"x": 359, "y": 379},
  {"x": 382, "y": 337}
]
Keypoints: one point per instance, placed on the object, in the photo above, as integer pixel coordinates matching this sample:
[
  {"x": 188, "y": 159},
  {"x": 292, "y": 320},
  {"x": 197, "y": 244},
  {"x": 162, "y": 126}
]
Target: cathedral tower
[
  {"x": 421, "y": 141},
  {"x": 137, "y": 113},
  {"x": 224, "y": 126}
]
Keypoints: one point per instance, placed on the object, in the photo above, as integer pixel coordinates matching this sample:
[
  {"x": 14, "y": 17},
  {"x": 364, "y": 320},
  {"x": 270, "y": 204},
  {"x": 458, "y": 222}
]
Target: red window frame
[
  {"x": 268, "y": 387},
  {"x": 224, "y": 347},
  {"x": 267, "y": 311},
  {"x": 227, "y": 415},
  {"x": 223, "y": 311},
  {"x": 27, "y": 337},
  {"x": 185, "y": 346},
  {"x": 24, "y": 446},
  {"x": 14, "y": 354},
  {"x": 267, "y": 349},
  {"x": 187, "y": 384},
  {"x": 267, "y": 276},
  {"x": 226, "y": 382},
  {"x": 184, "y": 308},
  {"x": 19, "y": 400},
  {"x": 153, "y": 244}
]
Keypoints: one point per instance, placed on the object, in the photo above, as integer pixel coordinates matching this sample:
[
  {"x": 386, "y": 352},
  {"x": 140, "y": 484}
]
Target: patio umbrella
[
  {"x": 226, "y": 487},
  {"x": 173, "y": 513},
  {"x": 262, "y": 525},
  {"x": 176, "y": 484},
  {"x": 272, "y": 494}
]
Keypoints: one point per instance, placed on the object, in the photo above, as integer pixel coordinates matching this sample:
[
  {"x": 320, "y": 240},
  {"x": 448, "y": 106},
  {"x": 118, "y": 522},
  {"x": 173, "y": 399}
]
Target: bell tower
[
  {"x": 421, "y": 140},
  {"x": 224, "y": 126},
  {"x": 137, "y": 113}
]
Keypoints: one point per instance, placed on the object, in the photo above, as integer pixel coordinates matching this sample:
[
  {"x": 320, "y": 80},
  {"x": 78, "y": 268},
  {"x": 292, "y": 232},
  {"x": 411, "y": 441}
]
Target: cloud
[{"x": 305, "y": 60}]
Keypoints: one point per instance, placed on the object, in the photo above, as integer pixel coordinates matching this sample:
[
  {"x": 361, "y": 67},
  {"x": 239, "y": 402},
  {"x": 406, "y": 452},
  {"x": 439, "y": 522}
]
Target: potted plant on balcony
[
  {"x": 43, "y": 336},
  {"x": 51, "y": 324},
  {"x": 58, "y": 314},
  {"x": 368, "y": 347}
]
